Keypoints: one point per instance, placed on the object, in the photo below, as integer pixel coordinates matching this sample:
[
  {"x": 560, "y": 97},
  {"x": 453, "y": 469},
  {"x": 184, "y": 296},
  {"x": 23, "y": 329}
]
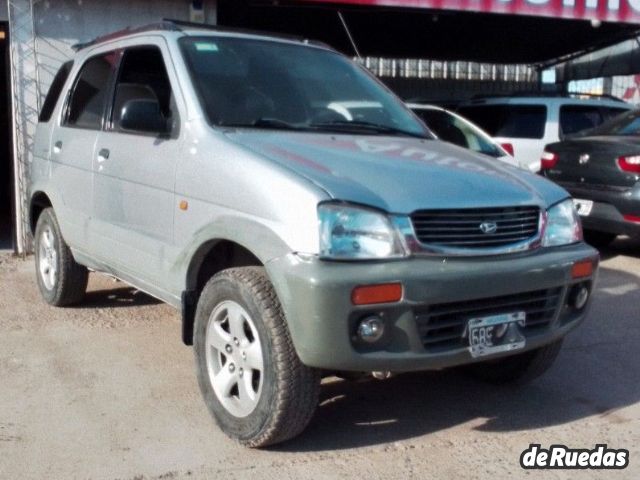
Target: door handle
[
  {"x": 103, "y": 155},
  {"x": 57, "y": 147}
]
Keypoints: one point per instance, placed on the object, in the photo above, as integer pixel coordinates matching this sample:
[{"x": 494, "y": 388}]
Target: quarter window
[
  {"x": 54, "y": 92},
  {"x": 575, "y": 118},
  {"x": 88, "y": 100},
  {"x": 511, "y": 121}
]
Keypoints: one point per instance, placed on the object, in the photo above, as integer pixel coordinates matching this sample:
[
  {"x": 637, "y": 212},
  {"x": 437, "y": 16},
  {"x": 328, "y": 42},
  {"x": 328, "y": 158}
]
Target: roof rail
[
  {"x": 548, "y": 94},
  {"x": 169, "y": 24},
  {"x": 164, "y": 25}
]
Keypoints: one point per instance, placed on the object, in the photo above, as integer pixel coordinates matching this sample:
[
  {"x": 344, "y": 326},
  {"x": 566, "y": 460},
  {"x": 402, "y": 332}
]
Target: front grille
[
  {"x": 462, "y": 228},
  {"x": 441, "y": 326}
]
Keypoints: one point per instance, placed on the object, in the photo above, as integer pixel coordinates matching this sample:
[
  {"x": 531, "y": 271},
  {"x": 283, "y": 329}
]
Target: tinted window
[
  {"x": 244, "y": 83},
  {"x": 89, "y": 96},
  {"x": 143, "y": 76},
  {"x": 514, "y": 121},
  {"x": 575, "y": 118},
  {"x": 54, "y": 92},
  {"x": 609, "y": 112},
  {"x": 452, "y": 129},
  {"x": 627, "y": 124}
]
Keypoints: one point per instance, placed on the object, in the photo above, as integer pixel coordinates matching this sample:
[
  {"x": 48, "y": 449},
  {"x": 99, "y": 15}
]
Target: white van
[{"x": 523, "y": 125}]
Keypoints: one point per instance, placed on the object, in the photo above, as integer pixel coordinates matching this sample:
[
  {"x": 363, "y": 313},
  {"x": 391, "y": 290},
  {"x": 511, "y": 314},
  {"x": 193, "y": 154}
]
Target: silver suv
[{"x": 234, "y": 176}]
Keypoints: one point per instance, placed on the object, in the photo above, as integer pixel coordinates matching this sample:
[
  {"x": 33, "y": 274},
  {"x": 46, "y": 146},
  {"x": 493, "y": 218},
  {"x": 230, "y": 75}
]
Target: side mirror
[{"x": 143, "y": 116}]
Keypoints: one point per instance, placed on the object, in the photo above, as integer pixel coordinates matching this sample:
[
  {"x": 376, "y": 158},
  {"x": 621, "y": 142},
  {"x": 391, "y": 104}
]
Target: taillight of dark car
[
  {"x": 548, "y": 160},
  {"x": 630, "y": 163}
]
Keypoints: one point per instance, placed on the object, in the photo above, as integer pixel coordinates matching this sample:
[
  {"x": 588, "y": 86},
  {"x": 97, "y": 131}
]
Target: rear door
[
  {"x": 135, "y": 170},
  {"x": 73, "y": 143}
]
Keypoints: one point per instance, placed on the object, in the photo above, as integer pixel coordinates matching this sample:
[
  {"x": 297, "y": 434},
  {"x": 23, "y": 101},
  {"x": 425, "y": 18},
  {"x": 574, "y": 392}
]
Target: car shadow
[
  {"x": 596, "y": 374},
  {"x": 626, "y": 246},
  {"x": 116, "y": 298}
]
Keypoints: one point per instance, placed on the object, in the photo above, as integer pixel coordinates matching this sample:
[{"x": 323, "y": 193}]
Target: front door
[{"x": 135, "y": 167}]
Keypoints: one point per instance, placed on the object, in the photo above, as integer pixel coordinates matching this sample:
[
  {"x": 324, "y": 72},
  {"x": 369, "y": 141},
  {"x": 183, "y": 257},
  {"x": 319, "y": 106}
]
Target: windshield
[
  {"x": 626, "y": 124},
  {"x": 265, "y": 84},
  {"x": 453, "y": 129}
]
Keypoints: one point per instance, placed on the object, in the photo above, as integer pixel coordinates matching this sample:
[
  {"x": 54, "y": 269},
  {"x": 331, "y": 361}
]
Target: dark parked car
[{"x": 601, "y": 169}]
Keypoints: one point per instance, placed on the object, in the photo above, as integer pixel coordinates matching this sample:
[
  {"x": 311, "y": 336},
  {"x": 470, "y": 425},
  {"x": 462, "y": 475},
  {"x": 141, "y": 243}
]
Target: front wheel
[
  {"x": 250, "y": 376},
  {"x": 61, "y": 280},
  {"x": 519, "y": 369}
]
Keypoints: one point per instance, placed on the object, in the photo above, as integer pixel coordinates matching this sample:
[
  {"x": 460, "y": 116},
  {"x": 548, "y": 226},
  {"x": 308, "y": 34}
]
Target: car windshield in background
[
  {"x": 627, "y": 124},
  {"x": 265, "y": 84},
  {"x": 513, "y": 121},
  {"x": 452, "y": 129}
]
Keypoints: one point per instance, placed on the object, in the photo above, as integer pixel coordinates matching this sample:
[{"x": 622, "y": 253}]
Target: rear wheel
[
  {"x": 518, "y": 369},
  {"x": 61, "y": 280},
  {"x": 598, "y": 239},
  {"x": 250, "y": 376}
]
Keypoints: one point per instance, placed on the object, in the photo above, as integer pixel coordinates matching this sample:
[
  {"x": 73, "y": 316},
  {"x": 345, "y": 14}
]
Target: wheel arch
[
  {"x": 39, "y": 201},
  {"x": 210, "y": 257}
]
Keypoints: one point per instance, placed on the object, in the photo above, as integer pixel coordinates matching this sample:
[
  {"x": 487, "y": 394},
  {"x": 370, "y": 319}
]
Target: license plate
[
  {"x": 583, "y": 207},
  {"x": 495, "y": 334}
]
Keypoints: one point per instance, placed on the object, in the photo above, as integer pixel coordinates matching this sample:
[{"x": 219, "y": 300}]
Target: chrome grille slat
[
  {"x": 460, "y": 228},
  {"x": 481, "y": 236},
  {"x": 441, "y": 326},
  {"x": 474, "y": 228},
  {"x": 447, "y": 222}
]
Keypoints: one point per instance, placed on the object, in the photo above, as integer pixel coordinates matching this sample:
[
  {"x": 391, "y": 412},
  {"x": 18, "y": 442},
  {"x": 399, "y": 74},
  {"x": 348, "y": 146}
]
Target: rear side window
[
  {"x": 514, "y": 121},
  {"x": 90, "y": 93},
  {"x": 575, "y": 118},
  {"x": 55, "y": 89},
  {"x": 610, "y": 112},
  {"x": 452, "y": 129}
]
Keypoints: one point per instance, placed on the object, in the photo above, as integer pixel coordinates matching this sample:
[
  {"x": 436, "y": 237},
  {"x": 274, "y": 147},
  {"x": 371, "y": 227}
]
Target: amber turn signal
[
  {"x": 371, "y": 294},
  {"x": 582, "y": 269}
]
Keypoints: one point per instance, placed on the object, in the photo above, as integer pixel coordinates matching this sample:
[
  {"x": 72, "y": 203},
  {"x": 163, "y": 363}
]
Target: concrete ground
[{"x": 106, "y": 390}]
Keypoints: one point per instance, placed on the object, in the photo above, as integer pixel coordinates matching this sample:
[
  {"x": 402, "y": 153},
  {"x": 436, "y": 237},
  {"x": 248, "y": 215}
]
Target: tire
[
  {"x": 257, "y": 400},
  {"x": 517, "y": 369},
  {"x": 61, "y": 280},
  {"x": 598, "y": 239}
]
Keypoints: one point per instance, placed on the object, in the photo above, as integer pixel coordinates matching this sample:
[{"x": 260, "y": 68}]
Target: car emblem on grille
[
  {"x": 584, "y": 159},
  {"x": 488, "y": 227}
]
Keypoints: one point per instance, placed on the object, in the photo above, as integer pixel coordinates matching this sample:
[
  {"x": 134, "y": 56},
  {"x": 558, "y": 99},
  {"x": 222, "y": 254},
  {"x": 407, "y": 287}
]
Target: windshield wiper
[
  {"x": 360, "y": 126},
  {"x": 265, "y": 122}
]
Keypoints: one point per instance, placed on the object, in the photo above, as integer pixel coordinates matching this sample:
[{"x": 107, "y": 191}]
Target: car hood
[{"x": 399, "y": 174}]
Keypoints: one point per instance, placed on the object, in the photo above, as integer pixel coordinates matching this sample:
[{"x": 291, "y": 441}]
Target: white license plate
[
  {"x": 496, "y": 333},
  {"x": 583, "y": 207}
]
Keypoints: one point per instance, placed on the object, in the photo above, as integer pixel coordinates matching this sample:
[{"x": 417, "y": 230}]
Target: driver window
[{"x": 143, "y": 77}]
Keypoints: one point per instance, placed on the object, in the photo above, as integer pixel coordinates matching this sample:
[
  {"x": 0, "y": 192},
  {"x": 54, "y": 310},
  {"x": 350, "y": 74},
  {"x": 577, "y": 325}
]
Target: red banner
[{"x": 605, "y": 10}]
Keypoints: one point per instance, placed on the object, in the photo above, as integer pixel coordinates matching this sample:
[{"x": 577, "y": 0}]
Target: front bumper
[
  {"x": 610, "y": 204},
  {"x": 316, "y": 297}
]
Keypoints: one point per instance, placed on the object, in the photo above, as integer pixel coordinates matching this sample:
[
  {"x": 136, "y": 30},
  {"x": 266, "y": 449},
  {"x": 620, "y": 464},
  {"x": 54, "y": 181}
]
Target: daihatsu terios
[{"x": 213, "y": 170}]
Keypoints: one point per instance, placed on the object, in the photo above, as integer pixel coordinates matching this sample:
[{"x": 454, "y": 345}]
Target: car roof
[
  {"x": 423, "y": 106},
  {"x": 549, "y": 101},
  {"x": 178, "y": 28}
]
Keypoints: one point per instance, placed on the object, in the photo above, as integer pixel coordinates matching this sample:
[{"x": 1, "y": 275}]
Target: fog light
[
  {"x": 579, "y": 296},
  {"x": 370, "y": 329}
]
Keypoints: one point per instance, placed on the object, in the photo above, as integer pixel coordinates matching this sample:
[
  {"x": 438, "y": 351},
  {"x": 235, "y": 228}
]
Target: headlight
[
  {"x": 350, "y": 233},
  {"x": 563, "y": 225}
]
